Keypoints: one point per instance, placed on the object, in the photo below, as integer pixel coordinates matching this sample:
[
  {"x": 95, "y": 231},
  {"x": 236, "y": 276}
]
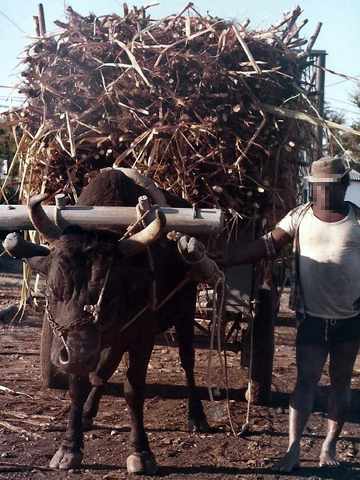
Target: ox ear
[
  {"x": 17, "y": 247},
  {"x": 36, "y": 255},
  {"x": 39, "y": 264},
  {"x": 138, "y": 242}
]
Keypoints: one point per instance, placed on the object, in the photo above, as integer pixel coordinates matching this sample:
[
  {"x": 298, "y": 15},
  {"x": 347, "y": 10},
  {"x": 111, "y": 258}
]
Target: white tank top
[{"x": 329, "y": 263}]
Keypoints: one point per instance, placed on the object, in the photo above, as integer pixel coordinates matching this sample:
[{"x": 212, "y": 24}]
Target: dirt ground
[{"x": 32, "y": 419}]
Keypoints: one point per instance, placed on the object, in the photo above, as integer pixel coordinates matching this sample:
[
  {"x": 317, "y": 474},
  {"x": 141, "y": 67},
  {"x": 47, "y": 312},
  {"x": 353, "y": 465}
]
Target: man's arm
[{"x": 260, "y": 248}]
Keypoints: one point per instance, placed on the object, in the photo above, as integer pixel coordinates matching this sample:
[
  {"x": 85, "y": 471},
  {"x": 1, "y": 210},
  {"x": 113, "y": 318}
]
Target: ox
[{"x": 95, "y": 285}]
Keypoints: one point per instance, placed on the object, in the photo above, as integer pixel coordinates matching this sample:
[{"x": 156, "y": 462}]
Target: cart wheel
[
  {"x": 263, "y": 349},
  {"x": 51, "y": 377}
]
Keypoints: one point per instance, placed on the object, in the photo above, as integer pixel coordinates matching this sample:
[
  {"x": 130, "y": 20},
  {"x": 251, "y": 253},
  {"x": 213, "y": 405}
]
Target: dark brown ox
[{"x": 90, "y": 345}]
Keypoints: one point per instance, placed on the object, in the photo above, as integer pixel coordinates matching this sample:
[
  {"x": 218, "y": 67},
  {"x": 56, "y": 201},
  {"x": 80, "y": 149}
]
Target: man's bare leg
[
  {"x": 342, "y": 359},
  {"x": 310, "y": 360}
]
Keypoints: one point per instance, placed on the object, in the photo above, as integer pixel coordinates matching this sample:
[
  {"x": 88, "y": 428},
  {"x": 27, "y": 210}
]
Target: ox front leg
[
  {"x": 109, "y": 361},
  {"x": 142, "y": 460},
  {"x": 70, "y": 453},
  {"x": 197, "y": 421}
]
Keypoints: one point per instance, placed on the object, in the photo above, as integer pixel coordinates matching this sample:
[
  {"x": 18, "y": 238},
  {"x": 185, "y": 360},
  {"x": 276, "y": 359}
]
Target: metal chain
[{"x": 57, "y": 329}]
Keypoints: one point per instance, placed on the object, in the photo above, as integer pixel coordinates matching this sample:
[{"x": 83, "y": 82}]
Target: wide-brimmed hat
[{"x": 327, "y": 170}]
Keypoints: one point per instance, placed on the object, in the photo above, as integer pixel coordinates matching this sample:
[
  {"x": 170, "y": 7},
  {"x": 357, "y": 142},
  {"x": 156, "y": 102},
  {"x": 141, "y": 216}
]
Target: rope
[
  {"x": 157, "y": 307},
  {"x": 96, "y": 308},
  {"x": 212, "y": 339},
  {"x": 191, "y": 262},
  {"x": 172, "y": 293},
  {"x": 131, "y": 227},
  {"x": 134, "y": 318},
  {"x": 142, "y": 212},
  {"x": 218, "y": 308},
  {"x": 224, "y": 366},
  {"x": 216, "y": 278},
  {"x": 246, "y": 426}
]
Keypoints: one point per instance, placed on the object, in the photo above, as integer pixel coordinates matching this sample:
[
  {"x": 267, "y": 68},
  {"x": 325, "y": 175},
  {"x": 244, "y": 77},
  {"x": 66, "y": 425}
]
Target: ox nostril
[{"x": 64, "y": 358}]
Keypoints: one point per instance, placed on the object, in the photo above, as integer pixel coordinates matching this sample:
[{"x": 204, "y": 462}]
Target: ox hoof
[
  {"x": 198, "y": 425},
  {"x": 142, "y": 463},
  {"x": 66, "y": 460}
]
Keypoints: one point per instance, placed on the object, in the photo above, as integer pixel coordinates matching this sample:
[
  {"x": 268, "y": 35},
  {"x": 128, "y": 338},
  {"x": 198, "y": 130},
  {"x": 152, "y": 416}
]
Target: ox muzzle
[{"x": 77, "y": 352}]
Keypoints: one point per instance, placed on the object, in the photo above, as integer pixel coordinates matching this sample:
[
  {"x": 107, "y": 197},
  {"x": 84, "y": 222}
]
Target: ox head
[{"x": 77, "y": 269}]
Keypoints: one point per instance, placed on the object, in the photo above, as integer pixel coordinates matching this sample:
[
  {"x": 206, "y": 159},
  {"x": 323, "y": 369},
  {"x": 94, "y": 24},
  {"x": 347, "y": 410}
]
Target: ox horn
[
  {"x": 139, "y": 241},
  {"x": 40, "y": 220}
]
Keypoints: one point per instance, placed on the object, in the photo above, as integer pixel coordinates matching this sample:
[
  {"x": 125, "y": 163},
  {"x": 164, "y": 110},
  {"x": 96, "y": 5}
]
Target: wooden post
[
  {"x": 144, "y": 204},
  {"x": 42, "y": 20},
  {"x": 60, "y": 200},
  {"x": 263, "y": 348},
  {"x": 37, "y": 25},
  {"x": 320, "y": 88},
  {"x": 262, "y": 333}
]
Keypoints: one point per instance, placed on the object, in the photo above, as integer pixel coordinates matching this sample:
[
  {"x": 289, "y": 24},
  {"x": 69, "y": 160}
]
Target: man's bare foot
[
  {"x": 290, "y": 460},
  {"x": 328, "y": 455}
]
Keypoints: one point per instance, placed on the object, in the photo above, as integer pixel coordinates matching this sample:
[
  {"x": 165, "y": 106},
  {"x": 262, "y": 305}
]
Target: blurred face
[{"x": 328, "y": 196}]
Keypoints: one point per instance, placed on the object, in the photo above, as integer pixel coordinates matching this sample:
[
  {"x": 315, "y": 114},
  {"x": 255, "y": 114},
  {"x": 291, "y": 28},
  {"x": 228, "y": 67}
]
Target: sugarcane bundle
[{"x": 186, "y": 99}]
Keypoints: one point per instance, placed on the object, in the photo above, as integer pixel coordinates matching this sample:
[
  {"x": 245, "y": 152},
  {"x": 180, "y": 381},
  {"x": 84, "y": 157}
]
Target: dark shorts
[{"x": 324, "y": 331}]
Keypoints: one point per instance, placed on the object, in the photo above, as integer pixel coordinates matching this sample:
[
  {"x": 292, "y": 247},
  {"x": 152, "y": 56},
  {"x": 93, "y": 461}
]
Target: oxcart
[{"x": 195, "y": 103}]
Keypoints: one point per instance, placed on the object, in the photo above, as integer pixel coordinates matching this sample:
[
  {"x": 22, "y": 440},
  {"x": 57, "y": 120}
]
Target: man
[{"x": 326, "y": 234}]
